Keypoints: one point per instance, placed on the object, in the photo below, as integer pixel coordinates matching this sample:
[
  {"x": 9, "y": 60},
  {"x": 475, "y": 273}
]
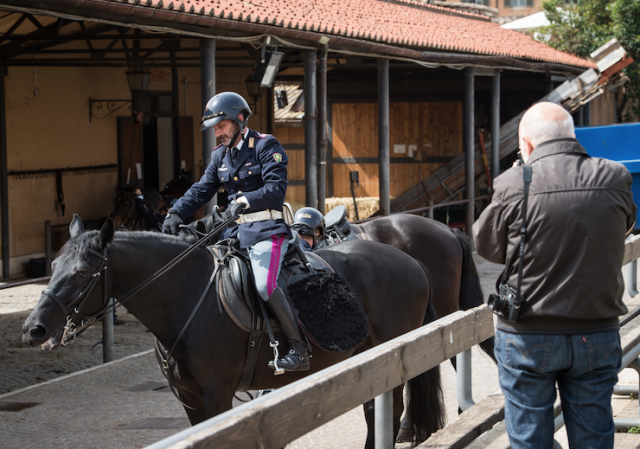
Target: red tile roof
[{"x": 405, "y": 23}]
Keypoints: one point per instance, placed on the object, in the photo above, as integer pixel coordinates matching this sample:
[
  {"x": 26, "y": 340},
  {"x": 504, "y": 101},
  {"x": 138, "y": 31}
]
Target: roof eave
[{"x": 200, "y": 25}]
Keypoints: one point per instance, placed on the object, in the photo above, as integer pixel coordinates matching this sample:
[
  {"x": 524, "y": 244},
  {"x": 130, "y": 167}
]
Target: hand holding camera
[{"x": 507, "y": 304}]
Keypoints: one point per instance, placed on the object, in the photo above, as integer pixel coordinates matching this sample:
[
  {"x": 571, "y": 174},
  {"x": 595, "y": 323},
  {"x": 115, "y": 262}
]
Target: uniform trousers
[{"x": 266, "y": 259}]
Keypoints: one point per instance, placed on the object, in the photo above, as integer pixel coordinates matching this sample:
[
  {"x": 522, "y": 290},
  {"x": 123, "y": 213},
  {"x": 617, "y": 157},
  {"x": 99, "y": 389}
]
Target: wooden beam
[
  {"x": 292, "y": 411},
  {"x": 469, "y": 425},
  {"x": 39, "y": 26},
  {"x": 14, "y": 27},
  {"x": 631, "y": 250}
]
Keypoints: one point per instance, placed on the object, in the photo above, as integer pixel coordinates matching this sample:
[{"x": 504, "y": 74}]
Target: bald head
[{"x": 544, "y": 121}]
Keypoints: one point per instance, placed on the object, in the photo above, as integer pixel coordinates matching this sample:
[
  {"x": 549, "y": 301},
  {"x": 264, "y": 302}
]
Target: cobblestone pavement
[
  {"x": 22, "y": 365},
  {"x": 126, "y": 404}
]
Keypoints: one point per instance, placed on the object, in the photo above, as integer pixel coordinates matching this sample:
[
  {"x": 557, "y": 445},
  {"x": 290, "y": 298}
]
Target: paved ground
[{"x": 126, "y": 404}]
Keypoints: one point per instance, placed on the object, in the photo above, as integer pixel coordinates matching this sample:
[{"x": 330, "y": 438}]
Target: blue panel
[
  {"x": 619, "y": 143},
  {"x": 615, "y": 142}
]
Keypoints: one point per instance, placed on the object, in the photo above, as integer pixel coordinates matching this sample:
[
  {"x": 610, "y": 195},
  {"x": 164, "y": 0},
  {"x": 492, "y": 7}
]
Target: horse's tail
[
  {"x": 470, "y": 290},
  {"x": 425, "y": 409}
]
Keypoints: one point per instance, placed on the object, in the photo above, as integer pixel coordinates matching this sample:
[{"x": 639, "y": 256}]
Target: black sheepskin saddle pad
[{"x": 331, "y": 315}]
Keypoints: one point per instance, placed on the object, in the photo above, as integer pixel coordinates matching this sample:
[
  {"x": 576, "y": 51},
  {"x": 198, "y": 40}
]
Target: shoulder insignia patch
[{"x": 277, "y": 157}]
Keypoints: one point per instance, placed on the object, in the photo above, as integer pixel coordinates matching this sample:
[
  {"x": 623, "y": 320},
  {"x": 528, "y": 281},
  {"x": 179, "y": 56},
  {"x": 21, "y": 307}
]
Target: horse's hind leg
[{"x": 369, "y": 416}]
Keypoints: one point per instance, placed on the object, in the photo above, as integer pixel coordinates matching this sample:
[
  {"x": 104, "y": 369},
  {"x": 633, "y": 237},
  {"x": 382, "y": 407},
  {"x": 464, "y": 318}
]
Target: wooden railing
[{"x": 290, "y": 412}]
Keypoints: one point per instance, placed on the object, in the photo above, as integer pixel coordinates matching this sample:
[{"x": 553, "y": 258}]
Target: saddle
[
  {"x": 236, "y": 287},
  {"x": 339, "y": 229},
  {"x": 328, "y": 313}
]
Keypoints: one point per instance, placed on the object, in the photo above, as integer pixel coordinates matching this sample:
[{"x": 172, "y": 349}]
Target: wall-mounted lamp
[
  {"x": 267, "y": 69},
  {"x": 138, "y": 78},
  {"x": 253, "y": 89}
]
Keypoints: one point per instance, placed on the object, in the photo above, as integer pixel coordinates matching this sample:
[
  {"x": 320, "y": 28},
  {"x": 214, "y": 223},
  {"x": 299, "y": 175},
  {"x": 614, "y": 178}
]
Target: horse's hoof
[{"x": 404, "y": 436}]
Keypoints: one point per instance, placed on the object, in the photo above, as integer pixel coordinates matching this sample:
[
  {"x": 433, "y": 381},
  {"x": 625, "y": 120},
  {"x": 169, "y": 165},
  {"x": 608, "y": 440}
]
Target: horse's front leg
[
  {"x": 217, "y": 399},
  {"x": 196, "y": 416}
]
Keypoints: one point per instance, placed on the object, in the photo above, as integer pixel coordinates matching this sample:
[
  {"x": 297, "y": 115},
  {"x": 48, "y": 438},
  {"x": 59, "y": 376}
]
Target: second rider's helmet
[
  {"x": 225, "y": 106},
  {"x": 307, "y": 220}
]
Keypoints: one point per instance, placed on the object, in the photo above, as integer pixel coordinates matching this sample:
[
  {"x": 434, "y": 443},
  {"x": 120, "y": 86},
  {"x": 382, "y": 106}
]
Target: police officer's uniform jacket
[{"x": 258, "y": 172}]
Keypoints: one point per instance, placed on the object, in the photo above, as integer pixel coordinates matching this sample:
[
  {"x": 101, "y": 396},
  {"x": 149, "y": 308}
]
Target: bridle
[{"x": 71, "y": 329}]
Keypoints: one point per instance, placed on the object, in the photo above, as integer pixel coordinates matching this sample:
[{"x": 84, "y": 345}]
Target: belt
[{"x": 263, "y": 215}]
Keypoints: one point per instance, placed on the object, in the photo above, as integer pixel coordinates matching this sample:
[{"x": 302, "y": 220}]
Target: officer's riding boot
[{"x": 298, "y": 358}]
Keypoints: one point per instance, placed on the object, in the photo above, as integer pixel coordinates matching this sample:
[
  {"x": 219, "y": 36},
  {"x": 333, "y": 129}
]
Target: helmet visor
[
  {"x": 213, "y": 119},
  {"x": 301, "y": 228}
]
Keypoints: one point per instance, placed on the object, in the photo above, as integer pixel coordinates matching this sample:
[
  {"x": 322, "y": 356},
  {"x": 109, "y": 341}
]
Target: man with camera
[{"x": 561, "y": 292}]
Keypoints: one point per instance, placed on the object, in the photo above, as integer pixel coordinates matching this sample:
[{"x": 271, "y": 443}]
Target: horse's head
[{"x": 77, "y": 289}]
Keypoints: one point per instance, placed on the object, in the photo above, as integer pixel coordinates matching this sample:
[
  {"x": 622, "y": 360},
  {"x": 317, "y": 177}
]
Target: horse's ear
[
  {"x": 106, "y": 233},
  {"x": 76, "y": 227}
]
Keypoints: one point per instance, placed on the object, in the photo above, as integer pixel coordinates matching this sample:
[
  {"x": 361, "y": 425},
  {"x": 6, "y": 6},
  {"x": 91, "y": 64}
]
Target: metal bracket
[{"x": 110, "y": 106}]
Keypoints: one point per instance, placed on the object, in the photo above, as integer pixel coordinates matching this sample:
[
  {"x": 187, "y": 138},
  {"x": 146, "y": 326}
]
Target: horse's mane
[{"x": 90, "y": 240}]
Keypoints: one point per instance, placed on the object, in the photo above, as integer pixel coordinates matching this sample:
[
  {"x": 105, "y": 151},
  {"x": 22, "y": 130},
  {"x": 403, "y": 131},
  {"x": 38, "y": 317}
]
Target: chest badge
[
  {"x": 277, "y": 157},
  {"x": 223, "y": 168},
  {"x": 251, "y": 142}
]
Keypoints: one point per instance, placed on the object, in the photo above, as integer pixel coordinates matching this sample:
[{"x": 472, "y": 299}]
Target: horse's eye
[{"x": 82, "y": 273}]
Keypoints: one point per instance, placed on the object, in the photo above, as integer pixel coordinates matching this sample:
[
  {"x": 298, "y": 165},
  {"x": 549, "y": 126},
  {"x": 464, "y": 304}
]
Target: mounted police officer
[
  {"x": 309, "y": 224},
  {"x": 253, "y": 168}
]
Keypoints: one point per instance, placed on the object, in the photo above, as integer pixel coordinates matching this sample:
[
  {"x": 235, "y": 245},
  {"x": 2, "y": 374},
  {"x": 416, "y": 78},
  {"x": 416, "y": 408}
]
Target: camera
[{"x": 507, "y": 303}]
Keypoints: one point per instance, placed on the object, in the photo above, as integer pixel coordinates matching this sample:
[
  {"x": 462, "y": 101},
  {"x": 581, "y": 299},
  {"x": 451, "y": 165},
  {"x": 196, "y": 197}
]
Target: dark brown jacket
[{"x": 579, "y": 211}]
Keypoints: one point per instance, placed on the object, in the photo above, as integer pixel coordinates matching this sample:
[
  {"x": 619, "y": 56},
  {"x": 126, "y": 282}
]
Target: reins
[{"x": 72, "y": 330}]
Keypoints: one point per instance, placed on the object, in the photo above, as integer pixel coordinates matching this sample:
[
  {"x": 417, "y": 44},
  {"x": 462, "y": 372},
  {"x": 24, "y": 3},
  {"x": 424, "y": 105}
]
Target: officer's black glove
[
  {"x": 234, "y": 208},
  {"x": 171, "y": 223}
]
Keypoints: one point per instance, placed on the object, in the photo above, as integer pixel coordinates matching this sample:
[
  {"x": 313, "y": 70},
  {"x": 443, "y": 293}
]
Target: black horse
[
  {"x": 392, "y": 287},
  {"x": 443, "y": 253}
]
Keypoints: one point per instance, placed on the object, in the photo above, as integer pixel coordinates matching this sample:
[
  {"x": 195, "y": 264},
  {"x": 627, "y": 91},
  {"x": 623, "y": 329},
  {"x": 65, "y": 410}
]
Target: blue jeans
[{"x": 585, "y": 367}]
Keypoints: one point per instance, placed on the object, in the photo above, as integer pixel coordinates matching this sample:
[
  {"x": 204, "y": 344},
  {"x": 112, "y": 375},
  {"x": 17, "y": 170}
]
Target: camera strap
[{"x": 526, "y": 176}]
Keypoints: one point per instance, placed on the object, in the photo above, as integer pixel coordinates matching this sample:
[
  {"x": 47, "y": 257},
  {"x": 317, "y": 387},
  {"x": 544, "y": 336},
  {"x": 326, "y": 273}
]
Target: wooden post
[
  {"x": 47, "y": 248},
  {"x": 469, "y": 149},
  {"x": 310, "y": 128},
  {"x": 383, "y": 136},
  {"x": 495, "y": 125},
  {"x": 322, "y": 131},
  {"x": 207, "y": 90},
  {"x": 4, "y": 183}
]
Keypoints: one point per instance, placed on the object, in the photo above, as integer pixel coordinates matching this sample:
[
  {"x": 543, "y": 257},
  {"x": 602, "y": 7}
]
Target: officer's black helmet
[
  {"x": 225, "y": 106},
  {"x": 307, "y": 220}
]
